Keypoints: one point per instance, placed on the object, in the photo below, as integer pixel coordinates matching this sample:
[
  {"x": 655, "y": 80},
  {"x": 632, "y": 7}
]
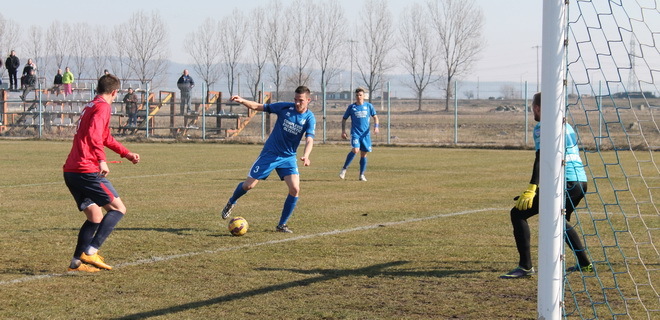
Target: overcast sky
[{"x": 512, "y": 27}]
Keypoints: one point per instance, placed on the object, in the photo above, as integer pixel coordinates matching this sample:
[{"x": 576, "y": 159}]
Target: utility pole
[
  {"x": 537, "y": 67},
  {"x": 350, "y": 93}
]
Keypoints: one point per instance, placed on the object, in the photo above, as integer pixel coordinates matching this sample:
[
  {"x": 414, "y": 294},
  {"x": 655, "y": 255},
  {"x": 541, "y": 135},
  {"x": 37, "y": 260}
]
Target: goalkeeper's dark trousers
[{"x": 574, "y": 194}]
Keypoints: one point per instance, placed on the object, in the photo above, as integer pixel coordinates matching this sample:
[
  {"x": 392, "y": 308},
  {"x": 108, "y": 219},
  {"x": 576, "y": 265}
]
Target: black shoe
[
  {"x": 283, "y": 228},
  {"x": 226, "y": 211}
]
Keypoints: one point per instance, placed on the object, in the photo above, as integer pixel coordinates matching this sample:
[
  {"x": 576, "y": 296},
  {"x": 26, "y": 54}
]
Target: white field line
[{"x": 253, "y": 245}]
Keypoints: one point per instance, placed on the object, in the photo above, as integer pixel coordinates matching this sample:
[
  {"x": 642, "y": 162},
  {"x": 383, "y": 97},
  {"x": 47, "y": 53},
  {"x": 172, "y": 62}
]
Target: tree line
[{"x": 304, "y": 42}]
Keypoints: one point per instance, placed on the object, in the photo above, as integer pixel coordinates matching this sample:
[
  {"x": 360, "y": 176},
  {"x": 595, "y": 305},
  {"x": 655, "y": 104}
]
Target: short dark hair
[
  {"x": 303, "y": 89},
  {"x": 107, "y": 84},
  {"x": 359, "y": 90},
  {"x": 536, "y": 100}
]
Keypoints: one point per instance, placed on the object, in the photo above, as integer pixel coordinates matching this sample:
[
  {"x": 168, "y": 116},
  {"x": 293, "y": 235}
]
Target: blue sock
[
  {"x": 349, "y": 159},
  {"x": 363, "y": 165},
  {"x": 239, "y": 192},
  {"x": 85, "y": 237},
  {"x": 289, "y": 205},
  {"x": 106, "y": 227}
]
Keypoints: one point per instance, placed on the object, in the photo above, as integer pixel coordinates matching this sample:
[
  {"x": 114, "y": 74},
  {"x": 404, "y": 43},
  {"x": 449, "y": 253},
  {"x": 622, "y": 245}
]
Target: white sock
[{"x": 91, "y": 251}]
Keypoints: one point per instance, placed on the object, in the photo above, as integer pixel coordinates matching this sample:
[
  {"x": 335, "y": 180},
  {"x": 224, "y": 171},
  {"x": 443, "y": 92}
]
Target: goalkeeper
[{"x": 527, "y": 204}]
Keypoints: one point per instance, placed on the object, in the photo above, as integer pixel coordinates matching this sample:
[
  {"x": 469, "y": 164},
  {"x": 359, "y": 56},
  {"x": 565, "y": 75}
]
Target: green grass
[{"x": 425, "y": 238}]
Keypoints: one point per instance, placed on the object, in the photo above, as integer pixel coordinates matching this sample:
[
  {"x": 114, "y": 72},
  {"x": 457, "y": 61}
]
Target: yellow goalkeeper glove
[{"x": 526, "y": 199}]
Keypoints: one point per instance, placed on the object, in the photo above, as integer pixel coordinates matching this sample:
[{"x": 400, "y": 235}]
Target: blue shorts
[
  {"x": 89, "y": 188},
  {"x": 268, "y": 161},
  {"x": 364, "y": 142}
]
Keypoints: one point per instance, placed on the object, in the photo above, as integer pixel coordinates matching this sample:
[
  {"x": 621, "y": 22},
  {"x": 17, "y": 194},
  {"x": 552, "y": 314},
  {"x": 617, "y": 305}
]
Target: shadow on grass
[
  {"x": 177, "y": 231},
  {"x": 325, "y": 275}
]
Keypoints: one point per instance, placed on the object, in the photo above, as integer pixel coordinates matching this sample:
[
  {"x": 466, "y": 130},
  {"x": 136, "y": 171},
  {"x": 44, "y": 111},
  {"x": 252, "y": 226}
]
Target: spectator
[
  {"x": 130, "y": 99},
  {"x": 29, "y": 66},
  {"x": 29, "y": 84},
  {"x": 12, "y": 63},
  {"x": 57, "y": 82},
  {"x": 106, "y": 72},
  {"x": 67, "y": 81},
  {"x": 185, "y": 84}
]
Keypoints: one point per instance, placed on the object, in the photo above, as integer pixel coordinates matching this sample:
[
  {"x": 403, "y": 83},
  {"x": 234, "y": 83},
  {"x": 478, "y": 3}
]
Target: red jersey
[{"x": 91, "y": 138}]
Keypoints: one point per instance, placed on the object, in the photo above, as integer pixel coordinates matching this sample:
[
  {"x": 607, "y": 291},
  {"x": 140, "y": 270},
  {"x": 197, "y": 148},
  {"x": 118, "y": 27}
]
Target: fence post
[
  {"x": 263, "y": 114},
  {"x": 41, "y": 115},
  {"x": 146, "y": 116},
  {"x": 455, "y": 114},
  {"x": 526, "y": 117},
  {"x": 389, "y": 110},
  {"x": 204, "y": 101}
]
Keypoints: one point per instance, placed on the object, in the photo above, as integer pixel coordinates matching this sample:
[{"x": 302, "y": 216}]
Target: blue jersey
[
  {"x": 360, "y": 117},
  {"x": 574, "y": 167},
  {"x": 289, "y": 128}
]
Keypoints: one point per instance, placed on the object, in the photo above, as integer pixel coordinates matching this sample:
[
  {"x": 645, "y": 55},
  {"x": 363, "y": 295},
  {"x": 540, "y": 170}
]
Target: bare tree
[
  {"x": 509, "y": 91},
  {"x": 329, "y": 31},
  {"x": 146, "y": 45},
  {"x": 58, "y": 42},
  {"x": 258, "y": 49},
  {"x": 233, "y": 28},
  {"x": 100, "y": 50},
  {"x": 204, "y": 48},
  {"x": 36, "y": 49},
  {"x": 302, "y": 45},
  {"x": 10, "y": 36},
  {"x": 458, "y": 24},
  {"x": 376, "y": 44},
  {"x": 119, "y": 54},
  {"x": 81, "y": 43},
  {"x": 418, "y": 50},
  {"x": 278, "y": 31}
]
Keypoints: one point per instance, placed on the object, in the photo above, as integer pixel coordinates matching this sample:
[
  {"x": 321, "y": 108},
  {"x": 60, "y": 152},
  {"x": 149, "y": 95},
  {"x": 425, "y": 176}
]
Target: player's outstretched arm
[{"x": 249, "y": 104}]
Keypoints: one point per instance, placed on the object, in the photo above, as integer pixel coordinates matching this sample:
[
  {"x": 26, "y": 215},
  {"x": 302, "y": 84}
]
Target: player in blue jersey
[
  {"x": 527, "y": 204},
  {"x": 294, "y": 120},
  {"x": 360, "y": 113}
]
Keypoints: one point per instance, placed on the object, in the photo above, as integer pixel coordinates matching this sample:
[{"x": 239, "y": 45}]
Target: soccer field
[{"x": 425, "y": 238}]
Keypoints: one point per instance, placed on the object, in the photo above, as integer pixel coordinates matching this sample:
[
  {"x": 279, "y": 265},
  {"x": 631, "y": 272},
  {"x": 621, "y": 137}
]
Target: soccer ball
[{"x": 238, "y": 226}]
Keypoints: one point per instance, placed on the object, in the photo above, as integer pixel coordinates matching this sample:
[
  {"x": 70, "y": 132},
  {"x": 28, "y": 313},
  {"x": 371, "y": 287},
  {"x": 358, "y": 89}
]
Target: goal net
[{"x": 613, "y": 64}]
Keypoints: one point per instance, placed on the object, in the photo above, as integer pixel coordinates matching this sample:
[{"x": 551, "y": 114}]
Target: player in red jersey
[{"x": 85, "y": 174}]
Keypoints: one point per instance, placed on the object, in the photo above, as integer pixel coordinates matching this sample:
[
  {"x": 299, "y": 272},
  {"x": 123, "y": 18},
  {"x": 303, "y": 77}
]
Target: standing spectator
[
  {"x": 30, "y": 80},
  {"x": 359, "y": 112},
  {"x": 12, "y": 63},
  {"x": 527, "y": 204},
  {"x": 67, "y": 81},
  {"x": 130, "y": 99},
  {"x": 106, "y": 72},
  {"x": 294, "y": 120},
  {"x": 85, "y": 172},
  {"x": 185, "y": 84},
  {"x": 57, "y": 82}
]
